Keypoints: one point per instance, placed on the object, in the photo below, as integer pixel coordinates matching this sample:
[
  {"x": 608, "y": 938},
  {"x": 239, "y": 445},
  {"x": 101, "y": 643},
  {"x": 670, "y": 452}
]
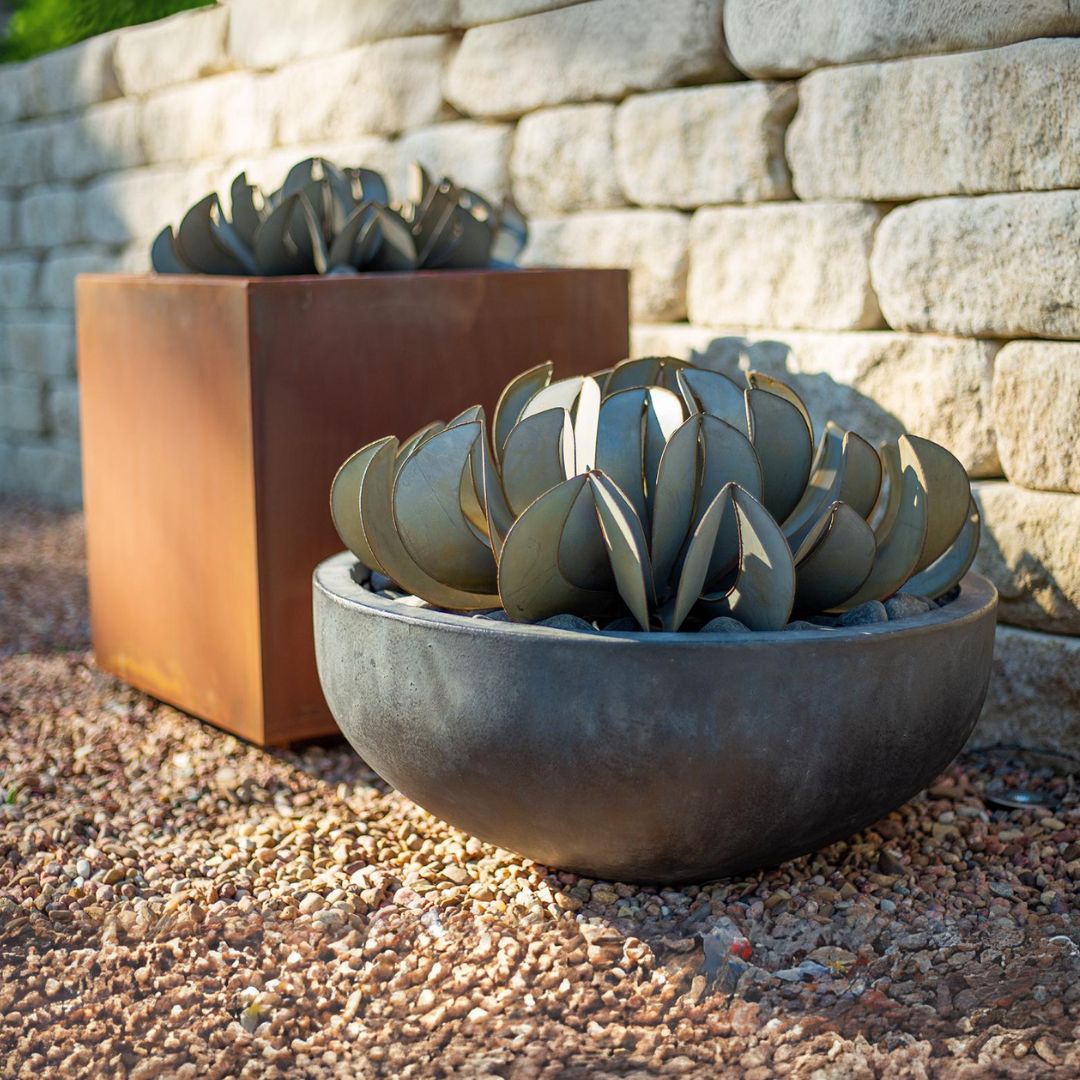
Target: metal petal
[
  {"x": 677, "y": 481},
  {"x": 539, "y": 453},
  {"x": 663, "y": 415},
  {"x": 583, "y": 554},
  {"x": 862, "y": 475},
  {"x": 763, "y": 592},
  {"x": 901, "y": 545},
  {"x": 377, "y": 518},
  {"x": 196, "y": 244},
  {"x": 713, "y": 393},
  {"x": 644, "y": 371},
  {"x": 626, "y": 546},
  {"x": 429, "y": 516},
  {"x": 276, "y": 251},
  {"x": 561, "y": 394},
  {"x": 758, "y": 380},
  {"x": 700, "y": 556},
  {"x": 164, "y": 257},
  {"x": 514, "y": 398},
  {"x": 948, "y": 493},
  {"x": 942, "y": 574},
  {"x": 531, "y": 583},
  {"x": 246, "y": 213},
  {"x": 835, "y": 559},
  {"x": 620, "y": 443},
  {"x": 345, "y": 502},
  {"x": 417, "y": 439},
  {"x": 888, "y": 502},
  {"x": 784, "y": 448},
  {"x": 586, "y": 417}
]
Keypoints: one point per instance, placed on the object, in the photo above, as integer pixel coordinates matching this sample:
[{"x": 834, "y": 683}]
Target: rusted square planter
[{"x": 215, "y": 412}]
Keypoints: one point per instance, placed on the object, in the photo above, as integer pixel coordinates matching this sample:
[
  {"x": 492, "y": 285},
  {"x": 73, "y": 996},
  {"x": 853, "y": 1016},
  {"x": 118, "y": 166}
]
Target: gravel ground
[{"x": 174, "y": 902}]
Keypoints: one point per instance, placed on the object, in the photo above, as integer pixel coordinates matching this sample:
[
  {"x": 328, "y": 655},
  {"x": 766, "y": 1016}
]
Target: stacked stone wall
[{"x": 877, "y": 200}]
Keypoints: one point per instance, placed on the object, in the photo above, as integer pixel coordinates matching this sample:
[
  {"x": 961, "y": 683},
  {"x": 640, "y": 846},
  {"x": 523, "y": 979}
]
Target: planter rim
[{"x": 334, "y": 577}]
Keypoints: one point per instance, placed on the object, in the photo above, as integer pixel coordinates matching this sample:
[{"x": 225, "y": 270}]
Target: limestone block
[
  {"x": 18, "y": 280},
  {"x": 22, "y": 405},
  {"x": 48, "y": 216},
  {"x": 127, "y": 206},
  {"x": 564, "y": 159},
  {"x": 473, "y": 155},
  {"x": 102, "y": 139},
  {"x": 216, "y": 117},
  {"x": 601, "y": 50},
  {"x": 990, "y": 266},
  {"x": 651, "y": 243},
  {"x": 62, "y": 408},
  {"x": 264, "y": 34},
  {"x": 475, "y": 12},
  {"x": 377, "y": 89},
  {"x": 73, "y": 78},
  {"x": 14, "y": 92},
  {"x": 37, "y": 344},
  {"x": 49, "y": 471},
  {"x": 1030, "y": 552},
  {"x": 878, "y": 383},
  {"x": 769, "y": 38},
  {"x": 1036, "y": 405},
  {"x": 175, "y": 50},
  {"x": 1034, "y": 695},
  {"x": 56, "y": 289},
  {"x": 268, "y": 170},
  {"x": 709, "y": 144},
  {"x": 904, "y": 129},
  {"x": 25, "y": 151},
  {"x": 784, "y": 265},
  {"x": 7, "y": 224}
]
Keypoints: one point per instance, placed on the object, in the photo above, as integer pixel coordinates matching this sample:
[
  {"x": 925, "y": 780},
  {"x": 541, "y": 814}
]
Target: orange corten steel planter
[{"x": 215, "y": 412}]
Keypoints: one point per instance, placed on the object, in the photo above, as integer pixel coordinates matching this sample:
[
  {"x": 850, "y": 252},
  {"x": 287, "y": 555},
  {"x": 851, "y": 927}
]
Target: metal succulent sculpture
[
  {"x": 328, "y": 220},
  {"x": 657, "y": 488}
]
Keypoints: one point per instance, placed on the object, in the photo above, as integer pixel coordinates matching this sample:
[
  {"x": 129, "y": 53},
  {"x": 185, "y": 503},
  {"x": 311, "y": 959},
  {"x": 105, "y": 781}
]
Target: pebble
[
  {"x": 906, "y": 606},
  {"x": 803, "y": 624},
  {"x": 724, "y": 624},
  {"x": 873, "y": 611},
  {"x": 569, "y": 622},
  {"x": 379, "y": 582}
]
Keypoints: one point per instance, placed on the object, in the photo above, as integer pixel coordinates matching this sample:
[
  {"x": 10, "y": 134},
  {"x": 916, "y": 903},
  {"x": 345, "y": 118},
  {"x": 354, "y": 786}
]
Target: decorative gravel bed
[{"x": 176, "y": 903}]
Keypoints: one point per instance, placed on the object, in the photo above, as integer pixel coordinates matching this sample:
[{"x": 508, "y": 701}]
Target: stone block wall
[{"x": 876, "y": 200}]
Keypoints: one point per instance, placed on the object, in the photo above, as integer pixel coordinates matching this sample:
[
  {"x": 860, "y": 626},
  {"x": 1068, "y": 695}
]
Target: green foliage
[{"x": 39, "y": 26}]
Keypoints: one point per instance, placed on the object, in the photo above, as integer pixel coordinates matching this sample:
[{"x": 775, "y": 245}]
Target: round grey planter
[{"x": 651, "y": 757}]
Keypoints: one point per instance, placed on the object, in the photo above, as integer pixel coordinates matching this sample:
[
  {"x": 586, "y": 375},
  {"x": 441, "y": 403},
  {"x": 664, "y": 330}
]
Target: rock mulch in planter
[{"x": 175, "y": 902}]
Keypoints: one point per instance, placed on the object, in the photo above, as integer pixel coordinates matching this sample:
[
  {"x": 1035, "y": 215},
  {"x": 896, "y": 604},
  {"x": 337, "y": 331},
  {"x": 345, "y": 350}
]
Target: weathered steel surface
[
  {"x": 660, "y": 757},
  {"x": 215, "y": 412}
]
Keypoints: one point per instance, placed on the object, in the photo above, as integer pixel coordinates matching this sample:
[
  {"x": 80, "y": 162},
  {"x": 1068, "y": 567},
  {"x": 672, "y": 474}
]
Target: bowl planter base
[
  {"x": 651, "y": 757},
  {"x": 215, "y": 412}
]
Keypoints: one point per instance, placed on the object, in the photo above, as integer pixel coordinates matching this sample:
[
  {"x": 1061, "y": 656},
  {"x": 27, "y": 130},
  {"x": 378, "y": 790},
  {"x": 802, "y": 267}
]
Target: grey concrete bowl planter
[{"x": 658, "y": 757}]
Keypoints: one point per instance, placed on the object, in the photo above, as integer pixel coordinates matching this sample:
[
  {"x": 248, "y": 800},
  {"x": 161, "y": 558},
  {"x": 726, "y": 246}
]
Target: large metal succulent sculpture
[
  {"x": 657, "y": 488},
  {"x": 328, "y": 220}
]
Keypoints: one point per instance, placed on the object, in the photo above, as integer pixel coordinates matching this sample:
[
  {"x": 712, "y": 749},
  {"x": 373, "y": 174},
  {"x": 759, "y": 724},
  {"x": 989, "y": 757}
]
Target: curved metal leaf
[
  {"x": 900, "y": 547},
  {"x": 715, "y": 394},
  {"x": 663, "y": 415},
  {"x": 758, "y": 380},
  {"x": 276, "y": 250},
  {"x": 620, "y": 443},
  {"x": 586, "y": 417},
  {"x": 531, "y": 583},
  {"x": 417, "y": 439},
  {"x": 538, "y": 455},
  {"x": 784, "y": 449},
  {"x": 246, "y": 213},
  {"x": 677, "y": 480},
  {"x": 948, "y": 493},
  {"x": 345, "y": 503},
  {"x": 583, "y": 555},
  {"x": 763, "y": 593},
  {"x": 940, "y": 576},
  {"x": 377, "y": 518},
  {"x": 561, "y": 394},
  {"x": 514, "y": 398},
  {"x": 644, "y": 371},
  {"x": 429, "y": 516},
  {"x": 626, "y": 546},
  {"x": 888, "y": 501},
  {"x": 862, "y": 475},
  {"x": 835, "y": 559},
  {"x": 196, "y": 242},
  {"x": 700, "y": 555},
  {"x": 164, "y": 257}
]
